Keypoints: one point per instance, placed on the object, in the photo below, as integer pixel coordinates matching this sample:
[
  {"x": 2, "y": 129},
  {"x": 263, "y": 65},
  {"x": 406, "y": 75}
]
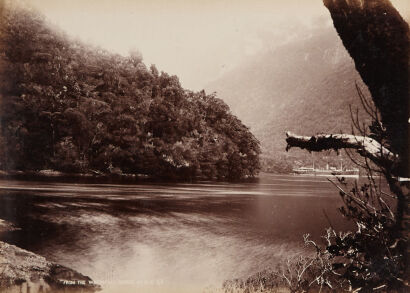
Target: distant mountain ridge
[{"x": 304, "y": 86}]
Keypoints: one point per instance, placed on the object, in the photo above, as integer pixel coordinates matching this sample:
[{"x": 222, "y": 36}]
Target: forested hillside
[
  {"x": 71, "y": 107},
  {"x": 291, "y": 88}
]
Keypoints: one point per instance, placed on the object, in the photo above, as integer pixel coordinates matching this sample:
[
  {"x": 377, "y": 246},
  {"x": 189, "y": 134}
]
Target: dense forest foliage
[{"x": 74, "y": 108}]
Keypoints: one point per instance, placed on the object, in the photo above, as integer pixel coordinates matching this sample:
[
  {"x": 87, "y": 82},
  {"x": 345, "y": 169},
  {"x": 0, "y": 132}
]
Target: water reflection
[{"x": 162, "y": 237}]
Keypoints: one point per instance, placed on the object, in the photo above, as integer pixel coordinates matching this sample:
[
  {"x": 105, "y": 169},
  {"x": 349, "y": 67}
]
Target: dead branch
[{"x": 365, "y": 146}]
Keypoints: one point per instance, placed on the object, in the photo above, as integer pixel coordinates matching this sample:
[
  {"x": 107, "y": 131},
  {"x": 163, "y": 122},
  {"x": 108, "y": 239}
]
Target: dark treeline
[{"x": 70, "y": 107}]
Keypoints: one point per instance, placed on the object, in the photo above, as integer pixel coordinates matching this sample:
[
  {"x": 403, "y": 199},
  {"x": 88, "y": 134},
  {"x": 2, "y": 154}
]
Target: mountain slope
[
  {"x": 305, "y": 86},
  {"x": 70, "y": 107}
]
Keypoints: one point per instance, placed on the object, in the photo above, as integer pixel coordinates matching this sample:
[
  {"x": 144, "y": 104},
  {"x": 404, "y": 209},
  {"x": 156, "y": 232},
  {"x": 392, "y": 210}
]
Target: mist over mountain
[{"x": 304, "y": 86}]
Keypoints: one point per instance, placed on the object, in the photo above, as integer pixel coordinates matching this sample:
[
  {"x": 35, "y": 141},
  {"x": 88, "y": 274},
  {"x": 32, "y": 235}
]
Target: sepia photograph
[{"x": 204, "y": 146}]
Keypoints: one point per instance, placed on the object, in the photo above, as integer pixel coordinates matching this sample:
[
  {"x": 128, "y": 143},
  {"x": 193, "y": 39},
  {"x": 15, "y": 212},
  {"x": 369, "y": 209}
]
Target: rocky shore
[{"x": 23, "y": 271}]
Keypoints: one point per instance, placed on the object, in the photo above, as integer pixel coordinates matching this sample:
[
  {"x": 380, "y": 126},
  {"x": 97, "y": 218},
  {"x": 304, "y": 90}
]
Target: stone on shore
[{"x": 24, "y": 271}]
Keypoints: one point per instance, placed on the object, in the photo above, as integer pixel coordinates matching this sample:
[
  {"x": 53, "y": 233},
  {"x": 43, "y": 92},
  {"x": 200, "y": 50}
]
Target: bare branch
[{"x": 365, "y": 146}]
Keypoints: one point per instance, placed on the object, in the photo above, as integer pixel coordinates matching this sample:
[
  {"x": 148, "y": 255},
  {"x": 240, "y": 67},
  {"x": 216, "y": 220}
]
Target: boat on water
[{"x": 328, "y": 171}]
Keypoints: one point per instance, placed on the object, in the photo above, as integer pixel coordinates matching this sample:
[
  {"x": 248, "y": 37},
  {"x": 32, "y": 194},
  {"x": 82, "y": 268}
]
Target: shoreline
[
  {"x": 95, "y": 177},
  {"x": 24, "y": 271}
]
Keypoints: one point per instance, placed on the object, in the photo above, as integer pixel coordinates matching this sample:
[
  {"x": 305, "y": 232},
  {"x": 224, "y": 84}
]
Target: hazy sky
[{"x": 195, "y": 39}]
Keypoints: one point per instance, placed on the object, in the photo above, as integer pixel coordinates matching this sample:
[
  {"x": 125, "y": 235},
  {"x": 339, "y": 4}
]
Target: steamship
[{"x": 328, "y": 171}]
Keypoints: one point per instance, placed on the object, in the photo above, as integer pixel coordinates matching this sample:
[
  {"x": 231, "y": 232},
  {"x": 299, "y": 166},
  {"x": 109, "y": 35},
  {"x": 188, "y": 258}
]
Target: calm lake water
[{"x": 162, "y": 237}]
